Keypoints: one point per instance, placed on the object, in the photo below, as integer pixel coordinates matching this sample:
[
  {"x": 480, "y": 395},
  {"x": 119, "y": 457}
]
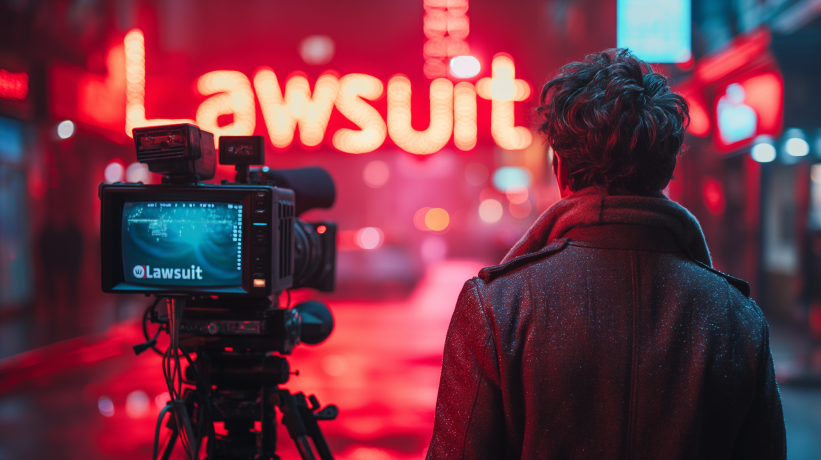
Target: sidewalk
[{"x": 800, "y": 391}]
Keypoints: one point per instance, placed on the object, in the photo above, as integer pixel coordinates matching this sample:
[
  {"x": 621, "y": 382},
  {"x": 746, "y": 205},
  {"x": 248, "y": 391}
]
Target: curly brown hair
[{"x": 614, "y": 122}]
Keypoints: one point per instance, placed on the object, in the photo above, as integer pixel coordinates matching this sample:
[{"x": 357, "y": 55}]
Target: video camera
[
  {"x": 233, "y": 239},
  {"x": 221, "y": 254}
]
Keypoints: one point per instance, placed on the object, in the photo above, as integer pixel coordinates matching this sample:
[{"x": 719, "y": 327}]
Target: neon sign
[
  {"x": 453, "y": 110},
  {"x": 13, "y": 86},
  {"x": 446, "y": 26}
]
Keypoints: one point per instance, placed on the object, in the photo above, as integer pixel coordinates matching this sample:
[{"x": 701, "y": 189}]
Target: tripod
[{"x": 238, "y": 388}]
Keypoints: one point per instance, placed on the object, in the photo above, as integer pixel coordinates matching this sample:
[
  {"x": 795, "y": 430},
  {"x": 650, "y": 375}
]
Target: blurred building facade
[{"x": 104, "y": 66}]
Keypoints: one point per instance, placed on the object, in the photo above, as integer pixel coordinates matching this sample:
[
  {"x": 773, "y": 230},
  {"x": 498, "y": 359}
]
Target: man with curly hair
[{"x": 605, "y": 333}]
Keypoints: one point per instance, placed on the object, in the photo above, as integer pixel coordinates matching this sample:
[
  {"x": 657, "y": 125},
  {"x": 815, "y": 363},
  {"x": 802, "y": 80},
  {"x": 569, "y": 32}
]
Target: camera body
[
  {"x": 197, "y": 239},
  {"x": 240, "y": 239}
]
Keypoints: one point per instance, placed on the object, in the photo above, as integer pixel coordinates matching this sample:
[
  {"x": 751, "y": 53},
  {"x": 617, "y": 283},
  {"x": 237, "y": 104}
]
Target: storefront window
[{"x": 15, "y": 257}]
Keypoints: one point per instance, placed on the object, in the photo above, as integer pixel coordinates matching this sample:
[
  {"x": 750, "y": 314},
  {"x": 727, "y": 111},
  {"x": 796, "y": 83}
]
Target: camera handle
[{"x": 243, "y": 174}]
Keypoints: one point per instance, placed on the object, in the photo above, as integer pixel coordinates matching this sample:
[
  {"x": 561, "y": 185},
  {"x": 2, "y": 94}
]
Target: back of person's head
[{"x": 614, "y": 122}]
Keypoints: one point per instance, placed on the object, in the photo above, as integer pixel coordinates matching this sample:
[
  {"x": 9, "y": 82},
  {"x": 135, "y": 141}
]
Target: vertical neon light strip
[
  {"x": 135, "y": 85},
  {"x": 446, "y": 26}
]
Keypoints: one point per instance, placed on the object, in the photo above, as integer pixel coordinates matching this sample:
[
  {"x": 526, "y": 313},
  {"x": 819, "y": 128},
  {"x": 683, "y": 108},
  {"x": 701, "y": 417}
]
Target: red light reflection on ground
[{"x": 380, "y": 366}]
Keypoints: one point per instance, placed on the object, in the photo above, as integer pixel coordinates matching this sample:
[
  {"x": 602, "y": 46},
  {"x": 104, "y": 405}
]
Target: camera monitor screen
[{"x": 182, "y": 243}]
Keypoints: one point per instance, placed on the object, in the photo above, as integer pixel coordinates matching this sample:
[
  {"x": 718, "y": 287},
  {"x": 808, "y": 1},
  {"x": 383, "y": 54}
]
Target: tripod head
[{"x": 239, "y": 349}]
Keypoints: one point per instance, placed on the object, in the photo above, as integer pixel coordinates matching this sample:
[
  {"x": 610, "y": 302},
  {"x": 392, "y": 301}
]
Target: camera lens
[{"x": 314, "y": 255}]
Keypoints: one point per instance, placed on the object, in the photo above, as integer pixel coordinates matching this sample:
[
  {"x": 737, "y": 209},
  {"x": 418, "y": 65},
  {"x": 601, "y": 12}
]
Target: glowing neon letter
[
  {"x": 503, "y": 89},
  {"x": 135, "y": 85},
  {"x": 464, "y": 116},
  {"x": 438, "y": 133},
  {"x": 235, "y": 96},
  {"x": 352, "y": 88},
  {"x": 282, "y": 114}
]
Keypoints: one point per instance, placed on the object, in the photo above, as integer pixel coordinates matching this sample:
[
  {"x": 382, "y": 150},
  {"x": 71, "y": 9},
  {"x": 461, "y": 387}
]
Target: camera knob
[{"x": 213, "y": 328}]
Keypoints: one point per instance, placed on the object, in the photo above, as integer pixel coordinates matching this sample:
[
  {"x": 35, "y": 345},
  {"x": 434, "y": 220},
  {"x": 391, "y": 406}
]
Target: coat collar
[{"x": 594, "y": 206}]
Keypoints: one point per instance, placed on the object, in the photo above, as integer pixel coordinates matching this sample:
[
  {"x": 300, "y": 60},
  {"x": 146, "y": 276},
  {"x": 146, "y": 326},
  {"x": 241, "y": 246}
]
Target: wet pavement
[{"x": 90, "y": 398}]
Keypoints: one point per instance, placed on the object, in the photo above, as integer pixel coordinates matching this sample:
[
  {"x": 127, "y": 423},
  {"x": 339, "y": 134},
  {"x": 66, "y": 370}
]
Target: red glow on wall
[
  {"x": 763, "y": 92},
  {"x": 815, "y": 320},
  {"x": 741, "y": 52},
  {"x": 13, "y": 86},
  {"x": 699, "y": 113},
  {"x": 713, "y": 193}
]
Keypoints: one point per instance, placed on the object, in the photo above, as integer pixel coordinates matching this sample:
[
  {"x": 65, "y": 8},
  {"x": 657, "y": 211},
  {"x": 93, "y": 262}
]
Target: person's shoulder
[
  {"x": 719, "y": 294},
  {"x": 489, "y": 274},
  {"x": 739, "y": 284}
]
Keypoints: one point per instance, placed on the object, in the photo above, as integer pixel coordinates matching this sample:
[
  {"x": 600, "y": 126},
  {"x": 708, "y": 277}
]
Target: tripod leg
[
  {"x": 268, "y": 419},
  {"x": 310, "y": 421},
  {"x": 292, "y": 419},
  {"x": 169, "y": 446}
]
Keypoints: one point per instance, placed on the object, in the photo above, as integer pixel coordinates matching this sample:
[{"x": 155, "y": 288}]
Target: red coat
[{"x": 606, "y": 334}]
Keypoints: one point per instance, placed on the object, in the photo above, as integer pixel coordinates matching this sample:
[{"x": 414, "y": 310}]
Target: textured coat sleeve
[
  {"x": 763, "y": 434},
  {"x": 469, "y": 414}
]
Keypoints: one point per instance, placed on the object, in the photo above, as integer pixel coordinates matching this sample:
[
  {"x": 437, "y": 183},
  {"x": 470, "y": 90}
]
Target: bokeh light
[
  {"x": 445, "y": 46},
  {"x": 435, "y": 22},
  {"x": 137, "y": 172},
  {"x": 434, "y": 68},
  {"x": 517, "y": 194},
  {"x": 437, "y": 219},
  {"x": 508, "y": 177},
  {"x": 105, "y": 406},
  {"x": 763, "y": 151},
  {"x": 369, "y": 238},
  {"x": 490, "y": 211},
  {"x": 419, "y": 219},
  {"x": 815, "y": 173},
  {"x": 114, "y": 172},
  {"x": 137, "y": 404},
  {"x": 161, "y": 399},
  {"x": 317, "y": 49},
  {"x": 376, "y": 174},
  {"x": 65, "y": 129},
  {"x": 797, "y": 147},
  {"x": 464, "y": 66}
]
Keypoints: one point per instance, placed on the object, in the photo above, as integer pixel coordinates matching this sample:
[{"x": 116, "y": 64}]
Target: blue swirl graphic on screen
[{"x": 182, "y": 243}]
